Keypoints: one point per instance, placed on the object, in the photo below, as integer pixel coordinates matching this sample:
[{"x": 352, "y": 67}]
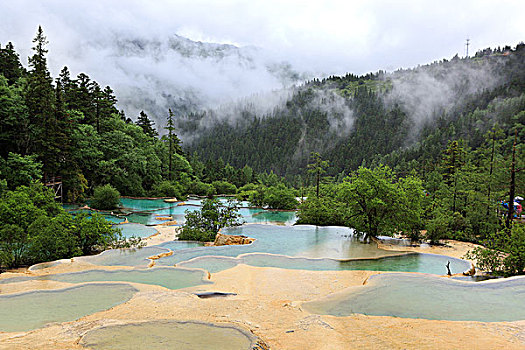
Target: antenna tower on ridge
[{"x": 467, "y": 44}]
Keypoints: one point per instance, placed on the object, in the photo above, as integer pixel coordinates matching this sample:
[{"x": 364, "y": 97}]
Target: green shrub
[
  {"x": 223, "y": 187},
  {"x": 245, "y": 195},
  {"x": 211, "y": 191},
  {"x": 35, "y": 228},
  {"x": 200, "y": 188},
  {"x": 504, "y": 252},
  {"x": 280, "y": 197},
  {"x": 167, "y": 189},
  {"x": 204, "y": 225},
  {"x": 50, "y": 238},
  {"x": 321, "y": 211},
  {"x": 20, "y": 170},
  {"x": 105, "y": 198},
  {"x": 93, "y": 233},
  {"x": 256, "y": 196},
  {"x": 438, "y": 228},
  {"x": 247, "y": 187}
]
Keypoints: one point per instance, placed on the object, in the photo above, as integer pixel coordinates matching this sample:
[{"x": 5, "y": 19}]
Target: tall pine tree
[
  {"x": 40, "y": 96},
  {"x": 146, "y": 124},
  {"x": 10, "y": 65},
  {"x": 174, "y": 143}
]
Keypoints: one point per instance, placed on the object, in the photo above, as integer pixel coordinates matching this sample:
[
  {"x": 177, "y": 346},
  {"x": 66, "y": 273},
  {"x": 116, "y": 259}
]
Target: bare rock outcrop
[
  {"x": 161, "y": 255},
  {"x": 222, "y": 239}
]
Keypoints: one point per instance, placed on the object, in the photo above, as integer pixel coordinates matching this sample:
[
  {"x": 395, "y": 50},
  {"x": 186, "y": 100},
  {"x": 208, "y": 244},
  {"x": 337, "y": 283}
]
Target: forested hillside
[
  {"x": 69, "y": 128},
  {"x": 403, "y": 119}
]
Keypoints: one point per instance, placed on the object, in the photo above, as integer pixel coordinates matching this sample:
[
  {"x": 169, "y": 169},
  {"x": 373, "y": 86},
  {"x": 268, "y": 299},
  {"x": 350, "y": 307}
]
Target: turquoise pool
[
  {"x": 146, "y": 211},
  {"x": 26, "y": 311},
  {"x": 291, "y": 247},
  {"x": 167, "y": 277},
  {"x": 429, "y": 297},
  {"x": 137, "y": 230}
]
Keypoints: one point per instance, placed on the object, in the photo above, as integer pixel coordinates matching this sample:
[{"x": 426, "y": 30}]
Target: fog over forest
[{"x": 190, "y": 56}]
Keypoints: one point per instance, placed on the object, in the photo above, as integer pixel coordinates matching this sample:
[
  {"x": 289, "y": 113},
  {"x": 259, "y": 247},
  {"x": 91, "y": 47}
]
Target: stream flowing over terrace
[{"x": 114, "y": 277}]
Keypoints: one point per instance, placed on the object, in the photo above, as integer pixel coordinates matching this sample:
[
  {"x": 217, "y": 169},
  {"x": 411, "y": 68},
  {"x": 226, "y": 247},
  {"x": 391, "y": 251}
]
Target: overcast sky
[
  {"x": 317, "y": 37},
  {"x": 332, "y": 36}
]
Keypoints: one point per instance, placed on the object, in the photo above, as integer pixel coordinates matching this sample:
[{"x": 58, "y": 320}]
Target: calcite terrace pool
[{"x": 121, "y": 284}]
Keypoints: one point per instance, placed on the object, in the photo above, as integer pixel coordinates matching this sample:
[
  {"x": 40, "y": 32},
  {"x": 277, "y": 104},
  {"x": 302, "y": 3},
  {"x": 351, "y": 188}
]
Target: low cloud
[{"x": 428, "y": 92}]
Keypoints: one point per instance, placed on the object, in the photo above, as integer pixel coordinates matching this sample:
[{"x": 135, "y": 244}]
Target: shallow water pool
[
  {"x": 429, "y": 297},
  {"x": 261, "y": 216},
  {"x": 168, "y": 334},
  {"x": 137, "y": 257},
  {"x": 168, "y": 277},
  {"x": 411, "y": 262},
  {"x": 298, "y": 247},
  {"x": 295, "y": 241},
  {"x": 145, "y": 211},
  {"x": 137, "y": 230},
  {"x": 31, "y": 310}
]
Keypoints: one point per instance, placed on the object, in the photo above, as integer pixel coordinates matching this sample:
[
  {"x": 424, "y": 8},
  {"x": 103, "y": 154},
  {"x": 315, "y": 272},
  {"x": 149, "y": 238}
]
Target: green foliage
[
  {"x": 246, "y": 174},
  {"x": 438, "y": 228},
  {"x": 93, "y": 234},
  {"x": 20, "y": 170},
  {"x": 14, "y": 245},
  {"x": 200, "y": 188},
  {"x": 223, "y": 187},
  {"x": 247, "y": 187},
  {"x": 322, "y": 211},
  {"x": 10, "y": 66},
  {"x": 167, "y": 189},
  {"x": 173, "y": 144},
  {"x": 380, "y": 203},
  {"x": 77, "y": 186},
  {"x": 504, "y": 253},
  {"x": 373, "y": 201},
  {"x": 51, "y": 238},
  {"x": 3, "y": 187},
  {"x": 272, "y": 197},
  {"x": 244, "y": 192},
  {"x": 256, "y": 196},
  {"x": 147, "y": 125},
  {"x": 14, "y": 119},
  {"x": 280, "y": 197},
  {"x": 39, "y": 99},
  {"x": 105, "y": 198},
  {"x": 181, "y": 164},
  {"x": 204, "y": 225},
  {"x": 317, "y": 167},
  {"x": 34, "y": 228}
]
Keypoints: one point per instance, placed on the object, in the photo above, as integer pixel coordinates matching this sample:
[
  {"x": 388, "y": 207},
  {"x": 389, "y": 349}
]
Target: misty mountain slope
[
  {"x": 393, "y": 118},
  {"x": 157, "y": 74}
]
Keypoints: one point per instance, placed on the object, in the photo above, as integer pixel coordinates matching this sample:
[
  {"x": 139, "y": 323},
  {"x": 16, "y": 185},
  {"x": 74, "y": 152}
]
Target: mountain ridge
[{"x": 378, "y": 115}]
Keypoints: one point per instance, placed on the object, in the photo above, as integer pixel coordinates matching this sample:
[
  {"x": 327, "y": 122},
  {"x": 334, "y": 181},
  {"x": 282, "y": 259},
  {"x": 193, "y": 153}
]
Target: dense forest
[
  {"x": 432, "y": 153},
  {"x": 403, "y": 119},
  {"x": 70, "y": 128}
]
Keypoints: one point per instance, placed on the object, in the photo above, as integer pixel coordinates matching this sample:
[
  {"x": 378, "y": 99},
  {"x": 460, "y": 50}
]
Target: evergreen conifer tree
[
  {"x": 146, "y": 124},
  {"x": 10, "y": 65},
  {"x": 40, "y": 97}
]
